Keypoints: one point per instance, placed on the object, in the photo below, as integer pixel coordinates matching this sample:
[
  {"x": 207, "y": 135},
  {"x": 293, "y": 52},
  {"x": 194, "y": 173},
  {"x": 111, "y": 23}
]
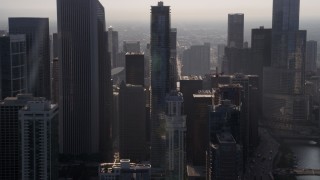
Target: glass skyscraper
[{"x": 160, "y": 57}]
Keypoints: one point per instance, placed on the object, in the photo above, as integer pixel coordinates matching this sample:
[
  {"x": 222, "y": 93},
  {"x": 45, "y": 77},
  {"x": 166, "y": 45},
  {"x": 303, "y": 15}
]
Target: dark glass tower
[
  {"x": 37, "y": 51},
  {"x": 160, "y": 66},
  {"x": 84, "y": 79},
  {"x": 235, "y": 30}
]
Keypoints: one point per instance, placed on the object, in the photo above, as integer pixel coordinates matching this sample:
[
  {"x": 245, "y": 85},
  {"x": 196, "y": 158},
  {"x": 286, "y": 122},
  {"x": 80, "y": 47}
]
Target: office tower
[
  {"x": 237, "y": 60},
  {"x": 283, "y": 99},
  {"x": 120, "y": 59},
  {"x": 200, "y": 123},
  {"x": 135, "y": 69},
  {"x": 113, "y": 46},
  {"x": 160, "y": 63},
  {"x": 196, "y": 60},
  {"x": 221, "y": 52},
  {"x": 124, "y": 170},
  {"x": 55, "y": 45},
  {"x": 55, "y": 81},
  {"x": 235, "y": 30},
  {"x": 10, "y": 166},
  {"x": 311, "y": 57},
  {"x": 189, "y": 85},
  {"x": 131, "y": 46},
  {"x": 37, "y": 51},
  {"x": 13, "y": 65},
  {"x": 132, "y": 122},
  {"x": 84, "y": 97},
  {"x": 115, "y": 119},
  {"x": 39, "y": 140},
  {"x": 173, "y": 72},
  {"x": 224, "y": 158},
  {"x": 175, "y": 136},
  {"x": 147, "y": 65}
]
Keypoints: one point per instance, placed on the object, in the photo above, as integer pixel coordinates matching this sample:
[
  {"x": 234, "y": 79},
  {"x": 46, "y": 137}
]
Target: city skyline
[{"x": 207, "y": 10}]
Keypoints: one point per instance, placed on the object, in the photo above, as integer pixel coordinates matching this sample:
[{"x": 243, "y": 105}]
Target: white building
[
  {"x": 39, "y": 140},
  {"x": 175, "y": 136},
  {"x": 124, "y": 170}
]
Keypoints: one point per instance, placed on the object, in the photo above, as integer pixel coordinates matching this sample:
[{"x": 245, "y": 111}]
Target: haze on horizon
[{"x": 182, "y": 11}]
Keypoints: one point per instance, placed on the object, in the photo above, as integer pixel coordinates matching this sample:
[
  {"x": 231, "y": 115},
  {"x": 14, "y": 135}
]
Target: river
[{"x": 308, "y": 156}]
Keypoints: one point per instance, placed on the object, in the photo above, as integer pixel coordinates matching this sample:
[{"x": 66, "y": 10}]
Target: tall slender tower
[
  {"x": 160, "y": 65},
  {"x": 284, "y": 98},
  {"x": 37, "y": 52},
  {"x": 84, "y": 123}
]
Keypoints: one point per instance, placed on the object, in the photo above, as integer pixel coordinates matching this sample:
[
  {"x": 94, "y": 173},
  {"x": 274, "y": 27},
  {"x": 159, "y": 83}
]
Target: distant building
[
  {"x": 175, "y": 136},
  {"x": 221, "y": 52},
  {"x": 131, "y": 46},
  {"x": 55, "y": 45},
  {"x": 132, "y": 122},
  {"x": 10, "y": 136},
  {"x": 55, "y": 81},
  {"x": 196, "y": 60},
  {"x": 235, "y": 30},
  {"x": 37, "y": 51},
  {"x": 13, "y": 65},
  {"x": 124, "y": 170},
  {"x": 39, "y": 140},
  {"x": 311, "y": 57},
  {"x": 173, "y": 70},
  {"x": 113, "y": 46},
  {"x": 135, "y": 69},
  {"x": 237, "y": 60}
]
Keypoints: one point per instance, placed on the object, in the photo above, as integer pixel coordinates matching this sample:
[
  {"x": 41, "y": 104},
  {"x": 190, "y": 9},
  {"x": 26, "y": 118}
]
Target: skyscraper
[
  {"x": 84, "y": 79},
  {"x": 284, "y": 81},
  {"x": 196, "y": 60},
  {"x": 132, "y": 122},
  {"x": 311, "y": 57},
  {"x": 160, "y": 65},
  {"x": 36, "y": 31},
  {"x": 131, "y": 46},
  {"x": 175, "y": 136},
  {"x": 173, "y": 71},
  {"x": 135, "y": 69},
  {"x": 39, "y": 140},
  {"x": 235, "y": 30},
  {"x": 55, "y": 81},
  {"x": 10, "y": 152},
  {"x": 13, "y": 65},
  {"x": 113, "y": 46}
]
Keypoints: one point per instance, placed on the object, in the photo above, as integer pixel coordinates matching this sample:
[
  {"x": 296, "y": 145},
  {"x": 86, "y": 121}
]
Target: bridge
[{"x": 297, "y": 172}]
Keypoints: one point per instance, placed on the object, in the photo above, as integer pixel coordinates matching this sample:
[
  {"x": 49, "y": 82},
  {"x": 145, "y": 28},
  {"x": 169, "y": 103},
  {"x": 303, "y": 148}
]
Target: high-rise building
[
  {"x": 221, "y": 52},
  {"x": 85, "y": 96},
  {"x": 147, "y": 65},
  {"x": 131, "y": 46},
  {"x": 224, "y": 158},
  {"x": 283, "y": 99},
  {"x": 237, "y": 60},
  {"x": 124, "y": 170},
  {"x": 160, "y": 66},
  {"x": 173, "y": 72},
  {"x": 235, "y": 30},
  {"x": 36, "y": 31},
  {"x": 55, "y": 81},
  {"x": 135, "y": 69},
  {"x": 175, "y": 136},
  {"x": 311, "y": 57},
  {"x": 196, "y": 60},
  {"x": 132, "y": 122},
  {"x": 113, "y": 46},
  {"x": 200, "y": 123},
  {"x": 55, "y": 45},
  {"x": 39, "y": 140},
  {"x": 13, "y": 65},
  {"x": 10, "y": 137}
]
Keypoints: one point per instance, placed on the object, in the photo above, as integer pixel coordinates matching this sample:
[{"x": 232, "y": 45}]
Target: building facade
[
  {"x": 196, "y": 60},
  {"x": 39, "y": 140},
  {"x": 235, "y": 30},
  {"x": 135, "y": 69},
  {"x": 13, "y": 65},
  {"x": 37, "y": 51},
  {"x": 84, "y": 78}
]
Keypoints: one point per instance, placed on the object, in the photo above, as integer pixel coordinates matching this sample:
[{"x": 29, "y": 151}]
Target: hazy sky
[{"x": 182, "y": 10}]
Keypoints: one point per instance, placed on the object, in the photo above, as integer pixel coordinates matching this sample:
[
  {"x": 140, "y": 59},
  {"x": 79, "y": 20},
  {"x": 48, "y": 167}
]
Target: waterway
[{"x": 308, "y": 156}]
